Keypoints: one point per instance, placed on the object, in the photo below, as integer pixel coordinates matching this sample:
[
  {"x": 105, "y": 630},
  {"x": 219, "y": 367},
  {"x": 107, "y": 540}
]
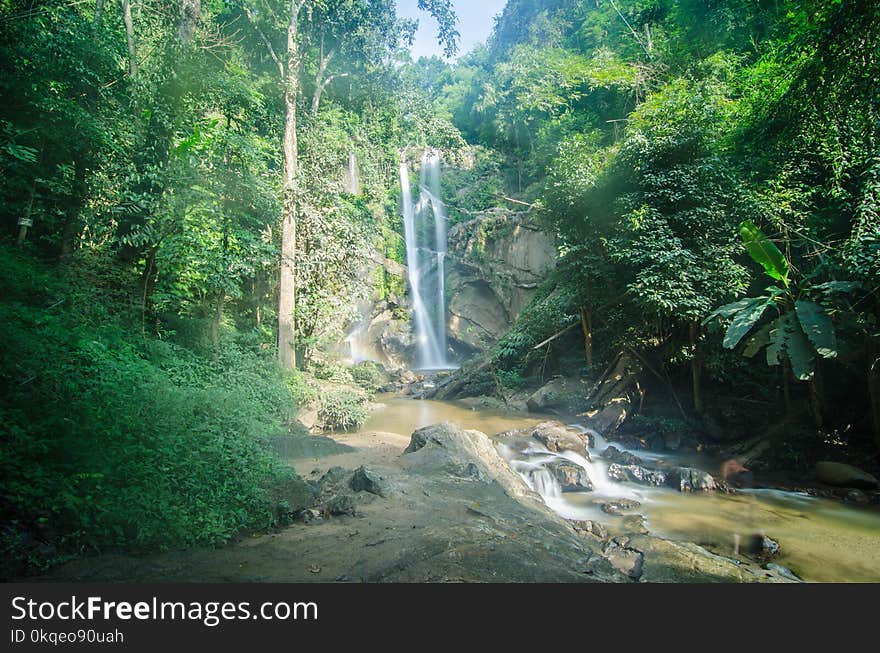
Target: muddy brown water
[{"x": 820, "y": 540}]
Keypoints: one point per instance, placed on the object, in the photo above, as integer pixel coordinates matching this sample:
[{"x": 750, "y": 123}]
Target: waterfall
[
  {"x": 426, "y": 262},
  {"x": 351, "y": 179},
  {"x": 430, "y": 188}
]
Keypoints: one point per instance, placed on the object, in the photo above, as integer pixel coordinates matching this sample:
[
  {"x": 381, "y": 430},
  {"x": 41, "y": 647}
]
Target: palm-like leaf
[{"x": 763, "y": 251}]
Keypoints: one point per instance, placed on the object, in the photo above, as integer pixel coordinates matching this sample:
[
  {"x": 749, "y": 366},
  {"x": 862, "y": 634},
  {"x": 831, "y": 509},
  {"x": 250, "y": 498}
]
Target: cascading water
[
  {"x": 533, "y": 461},
  {"x": 426, "y": 262},
  {"x": 351, "y": 180}
]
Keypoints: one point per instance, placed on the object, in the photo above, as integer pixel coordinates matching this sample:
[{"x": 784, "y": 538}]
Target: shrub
[
  {"x": 301, "y": 388},
  {"x": 368, "y": 375},
  {"x": 342, "y": 410},
  {"x": 112, "y": 439},
  {"x": 332, "y": 372}
]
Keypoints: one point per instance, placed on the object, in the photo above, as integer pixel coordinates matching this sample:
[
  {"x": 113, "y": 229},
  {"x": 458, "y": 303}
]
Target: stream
[{"x": 820, "y": 540}]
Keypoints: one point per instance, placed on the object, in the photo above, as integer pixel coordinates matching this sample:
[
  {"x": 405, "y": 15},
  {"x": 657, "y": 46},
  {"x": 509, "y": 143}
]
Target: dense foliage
[
  {"x": 647, "y": 134},
  {"x": 174, "y": 171},
  {"x": 141, "y": 148}
]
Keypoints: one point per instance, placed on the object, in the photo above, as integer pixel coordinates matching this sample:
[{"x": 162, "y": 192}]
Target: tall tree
[{"x": 307, "y": 23}]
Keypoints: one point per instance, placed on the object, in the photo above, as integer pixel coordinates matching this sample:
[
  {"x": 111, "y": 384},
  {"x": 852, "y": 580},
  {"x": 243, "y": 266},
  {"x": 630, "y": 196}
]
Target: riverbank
[{"x": 451, "y": 512}]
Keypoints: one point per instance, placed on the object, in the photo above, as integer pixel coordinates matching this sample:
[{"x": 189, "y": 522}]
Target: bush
[
  {"x": 368, "y": 375},
  {"x": 301, "y": 388},
  {"x": 342, "y": 410},
  {"x": 332, "y": 372},
  {"x": 117, "y": 440}
]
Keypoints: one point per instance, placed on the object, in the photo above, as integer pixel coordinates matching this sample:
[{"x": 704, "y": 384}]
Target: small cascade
[
  {"x": 351, "y": 182},
  {"x": 426, "y": 262},
  {"x": 533, "y": 461}
]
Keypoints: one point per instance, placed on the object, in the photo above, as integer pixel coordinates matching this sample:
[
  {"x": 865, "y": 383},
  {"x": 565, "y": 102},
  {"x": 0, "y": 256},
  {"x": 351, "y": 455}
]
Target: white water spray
[{"x": 426, "y": 262}]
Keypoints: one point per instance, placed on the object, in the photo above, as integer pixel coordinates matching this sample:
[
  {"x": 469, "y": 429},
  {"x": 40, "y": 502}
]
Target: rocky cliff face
[{"x": 496, "y": 262}]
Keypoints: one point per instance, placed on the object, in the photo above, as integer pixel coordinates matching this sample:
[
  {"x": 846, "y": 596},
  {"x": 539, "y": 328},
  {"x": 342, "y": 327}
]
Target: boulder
[
  {"x": 572, "y": 478},
  {"x": 856, "y": 496},
  {"x": 556, "y": 437},
  {"x": 558, "y": 394},
  {"x": 614, "y": 455},
  {"x": 608, "y": 418},
  {"x": 762, "y": 547},
  {"x": 843, "y": 475},
  {"x": 333, "y": 479},
  {"x": 688, "y": 479},
  {"x": 342, "y": 504},
  {"x": 364, "y": 480},
  {"x": 617, "y": 506},
  {"x": 625, "y": 559},
  {"x": 637, "y": 474},
  {"x": 591, "y": 527}
]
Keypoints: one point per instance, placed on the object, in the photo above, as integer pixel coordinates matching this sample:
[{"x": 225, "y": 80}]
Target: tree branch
[{"x": 266, "y": 40}]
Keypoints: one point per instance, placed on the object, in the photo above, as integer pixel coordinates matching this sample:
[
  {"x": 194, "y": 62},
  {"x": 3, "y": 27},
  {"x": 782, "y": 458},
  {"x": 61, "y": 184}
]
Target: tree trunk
[
  {"x": 320, "y": 82},
  {"x": 287, "y": 276},
  {"x": 190, "y": 13},
  {"x": 99, "y": 11},
  {"x": 129, "y": 36},
  {"x": 587, "y": 327},
  {"x": 696, "y": 370}
]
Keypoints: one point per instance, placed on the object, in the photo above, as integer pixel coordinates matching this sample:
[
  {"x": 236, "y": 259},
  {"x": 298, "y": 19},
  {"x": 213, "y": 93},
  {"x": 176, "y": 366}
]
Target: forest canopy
[{"x": 198, "y": 195}]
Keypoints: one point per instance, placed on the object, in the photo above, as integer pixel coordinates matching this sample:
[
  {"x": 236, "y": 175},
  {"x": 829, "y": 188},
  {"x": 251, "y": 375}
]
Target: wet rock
[
  {"x": 625, "y": 559},
  {"x": 617, "y": 506},
  {"x": 614, "y": 455},
  {"x": 688, "y": 479},
  {"x": 635, "y": 524},
  {"x": 560, "y": 393},
  {"x": 763, "y": 547},
  {"x": 364, "y": 480},
  {"x": 843, "y": 475},
  {"x": 591, "y": 527},
  {"x": 856, "y": 496},
  {"x": 637, "y": 474},
  {"x": 557, "y": 438},
  {"x": 608, "y": 418},
  {"x": 572, "y": 477},
  {"x": 785, "y": 572}
]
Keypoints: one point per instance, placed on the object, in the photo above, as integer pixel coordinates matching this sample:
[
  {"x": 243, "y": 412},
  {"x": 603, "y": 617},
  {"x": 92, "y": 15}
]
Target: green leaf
[
  {"x": 744, "y": 321},
  {"x": 729, "y": 310},
  {"x": 763, "y": 251},
  {"x": 818, "y": 328},
  {"x": 757, "y": 342},
  {"x": 776, "y": 345},
  {"x": 838, "y": 286},
  {"x": 799, "y": 352},
  {"x": 788, "y": 340}
]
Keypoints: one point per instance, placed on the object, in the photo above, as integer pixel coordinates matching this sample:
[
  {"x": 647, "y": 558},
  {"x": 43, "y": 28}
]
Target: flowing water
[
  {"x": 426, "y": 249},
  {"x": 820, "y": 540}
]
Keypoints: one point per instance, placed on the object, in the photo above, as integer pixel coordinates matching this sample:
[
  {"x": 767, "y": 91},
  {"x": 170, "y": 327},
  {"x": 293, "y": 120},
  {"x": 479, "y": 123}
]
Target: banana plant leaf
[
  {"x": 744, "y": 321},
  {"x": 817, "y": 326},
  {"x": 764, "y": 252}
]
